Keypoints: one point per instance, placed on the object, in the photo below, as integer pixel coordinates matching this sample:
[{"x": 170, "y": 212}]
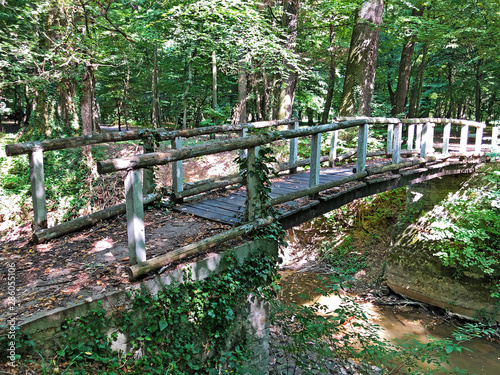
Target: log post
[
  {"x": 148, "y": 174},
  {"x": 494, "y": 138},
  {"x": 411, "y": 137},
  {"x": 426, "y": 144},
  {"x": 241, "y": 134},
  {"x": 294, "y": 147},
  {"x": 446, "y": 138},
  {"x": 362, "y": 146},
  {"x": 135, "y": 217},
  {"x": 37, "y": 180},
  {"x": 253, "y": 203},
  {"x": 479, "y": 140},
  {"x": 390, "y": 137},
  {"x": 418, "y": 137},
  {"x": 464, "y": 135},
  {"x": 333, "y": 148},
  {"x": 398, "y": 135},
  {"x": 315, "y": 159},
  {"x": 177, "y": 169}
]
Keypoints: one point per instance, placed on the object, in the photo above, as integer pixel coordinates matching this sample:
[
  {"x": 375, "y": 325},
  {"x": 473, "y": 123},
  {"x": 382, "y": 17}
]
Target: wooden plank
[
  {"x": 135, "y": 216},
  {"x": 37, "y": 181},
  {"x": 230, "y": 208},
  {"x": 210, "y": 215}
]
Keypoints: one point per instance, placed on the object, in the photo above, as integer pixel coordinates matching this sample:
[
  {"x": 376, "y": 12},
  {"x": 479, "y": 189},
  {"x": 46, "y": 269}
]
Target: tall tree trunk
[
  {"x": 155, "y": 110},
  {"x": 416, "y": 92},
  {"x": 214, "y": 80},
  {"x": 332, "y": 67},
  {"x": 362, "y": 62},
  {"x": 479, "y": 77},
  {"x": 189, "y": 74},
  {"x": 405, "y": 63},
  {"x": 287, "y": 93},
  {"x": 87, "y": 102},
  {"x": 451, "y": 101},
  {"x": 391, "y": 91},
  {"x": 68, "y": 110},
  {"x": 126, "y": 87},
  {"x": 258, "y": 103},
  {"x": 267, "y": 97},
  {"x": 240, "y": 110}
]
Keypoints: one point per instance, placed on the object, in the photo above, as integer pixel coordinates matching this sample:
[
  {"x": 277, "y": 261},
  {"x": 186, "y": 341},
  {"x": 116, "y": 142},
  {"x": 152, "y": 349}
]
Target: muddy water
[{"x": 396, "y": 322}]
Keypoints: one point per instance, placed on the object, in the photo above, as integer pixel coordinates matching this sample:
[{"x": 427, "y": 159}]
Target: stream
[{"x": 398, "y": 321}]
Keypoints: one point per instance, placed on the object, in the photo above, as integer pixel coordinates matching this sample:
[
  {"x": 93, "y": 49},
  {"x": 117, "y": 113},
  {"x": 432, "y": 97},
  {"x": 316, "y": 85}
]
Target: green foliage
[{"x": 342, "y": 257}]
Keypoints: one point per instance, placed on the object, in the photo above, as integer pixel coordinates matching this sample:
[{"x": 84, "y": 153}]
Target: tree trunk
[
  {"x": 155, "y": 110},
  {"x": 287, "y": 93},
  {"x": 214, "y": 80},
  {"x": 258, "y": 104},
  {"x": 362, "y": 62},
  {"x": 450, "y": 91},
  {"x": 240, "y": 110},
  {"x": 189, "y": 71},
  {"x": 126, "y": 86},
  {"x": 405, "y": 69},
  {"x": 267, "y": 97},
  {"x": 416, "y": 91},
  {"x": 479, "y": 77},
  {"x": 68, "y": 110},
  {"x": 331, "y": 75}
]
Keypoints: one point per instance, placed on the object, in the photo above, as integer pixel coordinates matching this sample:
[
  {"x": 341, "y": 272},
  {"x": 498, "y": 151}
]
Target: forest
[{"x": 68, "y": 67}]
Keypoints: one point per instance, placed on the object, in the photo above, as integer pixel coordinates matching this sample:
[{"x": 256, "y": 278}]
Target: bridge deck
[{"x": 231, "y": 209}]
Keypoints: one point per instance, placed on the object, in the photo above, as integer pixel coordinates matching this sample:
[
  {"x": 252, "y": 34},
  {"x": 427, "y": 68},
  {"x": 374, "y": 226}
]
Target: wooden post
[
  {"x": 241, "y": 134},
  {"x": 315, "y": 159},
  {"x": 135, "y": 217},
  {"x": 37, "y": 180},
  {"x": 362, "y": 145},
  {"x": 253, "y": 203},
  {"x": 398, "y": 135},
  {"x": 411, "y": 137},
  {"x": 147, "y": 173},
  {"x": 494, "y": 138},
  {"x": 446, "y": 138},
  {"x": 464, "y": 135},
  {"x": 418, "y": 138},
  {"x": 426, "y": 144},
  {"x": 294, "y": 147},
  {"x": 177, "y": 169},
  {"x": 390, "y": 137},
  {"x": 479, "y": 140},
  {"x": 333, "y": 148}
]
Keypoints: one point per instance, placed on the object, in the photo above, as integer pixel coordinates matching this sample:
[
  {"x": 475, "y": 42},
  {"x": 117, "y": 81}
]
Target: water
[{"x": 396, "y": 322}]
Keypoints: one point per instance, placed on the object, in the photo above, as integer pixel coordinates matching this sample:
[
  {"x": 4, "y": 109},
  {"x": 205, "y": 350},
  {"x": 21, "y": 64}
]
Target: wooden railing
[{"x": 419, "y": 132}]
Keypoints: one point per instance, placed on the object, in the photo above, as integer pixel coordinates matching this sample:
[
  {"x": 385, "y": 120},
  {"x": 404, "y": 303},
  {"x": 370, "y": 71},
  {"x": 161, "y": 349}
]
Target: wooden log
[
  {"x": 315, "y": 189},
  {"x": 347, "y": 155},
  {"x": 72, "y": 142},
  {"x": 446, "y": 138},
  {"x": 253, "y": 203},
  {"x": 142, "y": 268},
  {"x": 56, "y": 231},
  {"x": 426, "y": 145},
  {"x": 464, "y": 138},
  {"x": 418, "y": 137},
  {"x": 315, "y": 160},
  {"x": 37, "y": 181},
  {"x": 148, "y": 177},
  {"x": 390, "y": 136},
  {"x": 135, "y": 216},
  {"x": 479, "y": 140},
  {"x": 177, "y": 169},
  {"x": 333, "y": 148},
  {"x": 294, "y": 147},
  {"x": 398, "y": 135},
  {"x": 371, "y": 170},
  {"x": 160, "y": 158},
  {"x": 474, "y": 124},
  {"x": 362, "y": 147},
  {"x": 411, "y": 137}
]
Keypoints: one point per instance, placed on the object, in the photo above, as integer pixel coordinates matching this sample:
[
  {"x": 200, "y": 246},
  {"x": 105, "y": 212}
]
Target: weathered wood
[
  {"x": 294, "y": 148},
  {"x": 377, "y": 169},
  {"x": 140, "y": 269},
  {"x": 446, "y": 138},
  {"x": 479, "y": 140},
  {"x": 390, "y": 136},
  {"x": 253, "y": 204},
  {"x": 347, "y": 155},
  {"x": 315, "y": 159},
  {"x": 464, "y": 138},
  {"x": 418, "y": 137},
  {"x": 333, "y": 148},
  {"x": 135, "y": 216},
  {"x": 362, "y": 147},
  {"x": 426, "y": 145},
  {"x": 38, "y": 188},
  {"x": 160, "y": 158},
  {"x": 316, "y": 189},
  {"x": 72, "y": 142},
  {"x": 148, "y": 173},
  {"x": 48, "y": 234},
  {"x": 398, "y": 135},
  {"x": 433, "y": 120},
  {"x": 411, "y": 137},
  {"x": 177, "y": 169}
]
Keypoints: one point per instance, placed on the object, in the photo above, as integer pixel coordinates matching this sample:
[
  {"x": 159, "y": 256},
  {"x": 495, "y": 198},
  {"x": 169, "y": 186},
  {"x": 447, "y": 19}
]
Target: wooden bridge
[{"x": 298, "y": 196}]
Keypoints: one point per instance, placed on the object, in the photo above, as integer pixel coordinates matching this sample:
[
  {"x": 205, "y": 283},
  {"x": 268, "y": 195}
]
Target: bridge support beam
[
  {"x": 135, "y": 217},
  {"x": 315, "y": 159},
  {"x": 362, "y": 145},
  {"x": 177, "y": 169},
  {"x": 398, "y": 135},
  {"x": 294, "y": 147},
  {"x": 37, "y": 180}
]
